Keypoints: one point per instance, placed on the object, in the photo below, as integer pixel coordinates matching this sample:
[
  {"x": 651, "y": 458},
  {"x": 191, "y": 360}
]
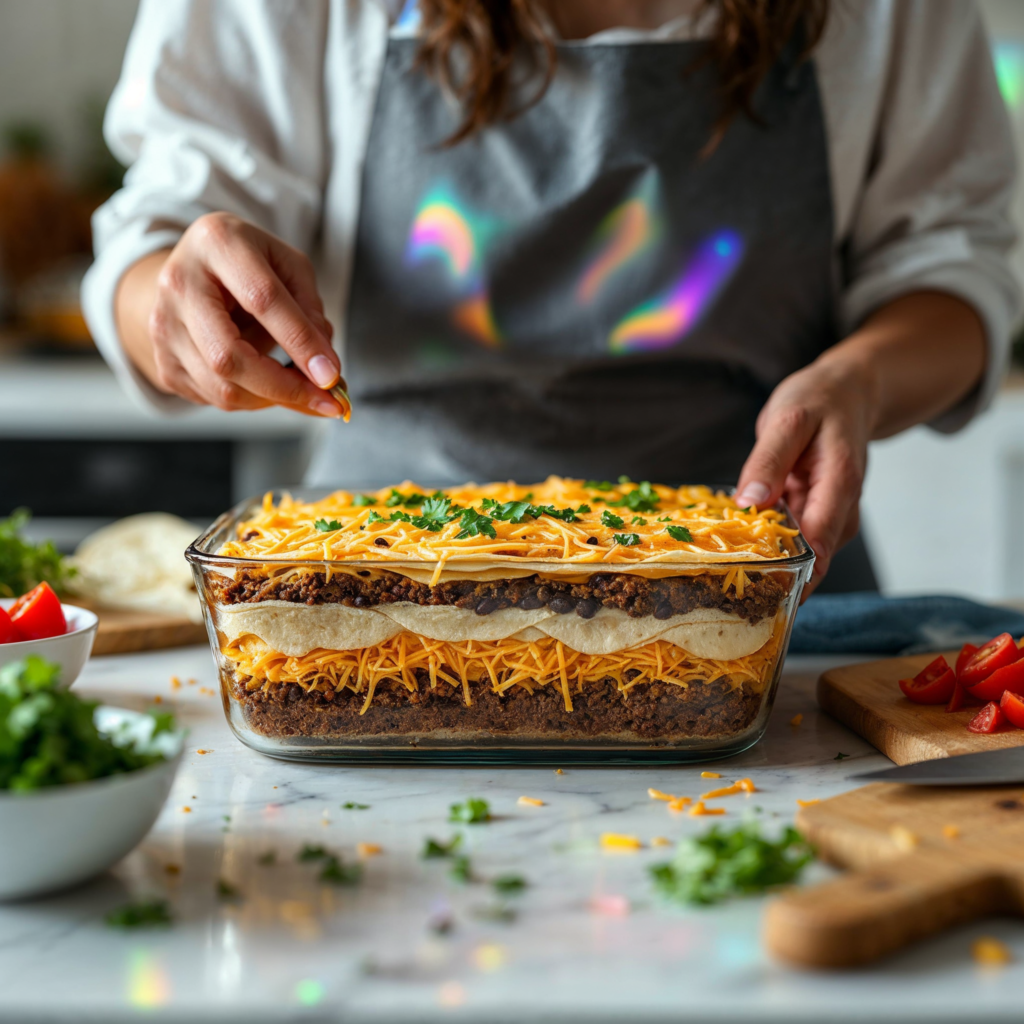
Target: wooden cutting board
[
  {"x": 123, "y": 632},
  {"x": 921, "y": 859},
  {"x": 867, "y": 699}
]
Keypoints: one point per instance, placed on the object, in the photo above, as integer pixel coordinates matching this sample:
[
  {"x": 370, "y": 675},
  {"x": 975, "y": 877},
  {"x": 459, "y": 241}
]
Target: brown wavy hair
[{"x": 472, "y": 48}]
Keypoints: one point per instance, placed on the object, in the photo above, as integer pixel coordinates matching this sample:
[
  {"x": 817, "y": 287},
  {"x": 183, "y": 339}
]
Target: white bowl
[
  {"x": 71, "y": 650},
  {"x": 58, "y": 836}
]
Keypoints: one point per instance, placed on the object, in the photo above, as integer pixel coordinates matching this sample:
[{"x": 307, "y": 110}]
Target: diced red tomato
[
  {"x": 966, "y": 652},
  {"x": 1009, "y": 677},
  {"x": 8, "y": 633},
  {"x": 961, "y": 697},
  {"x": 38, "y": 614},
  {"x": 995, "y": 654},
  {"x": 1012, "y": 705},
  {"x": 934, "y": 684},
  {"x": 988, "y": 719}
]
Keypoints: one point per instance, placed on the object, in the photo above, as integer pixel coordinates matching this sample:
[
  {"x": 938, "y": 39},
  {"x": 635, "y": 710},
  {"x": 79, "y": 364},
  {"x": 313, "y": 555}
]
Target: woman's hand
[
  {"x": 200, "y": 319},
  {"x": 914, "y": 359}
]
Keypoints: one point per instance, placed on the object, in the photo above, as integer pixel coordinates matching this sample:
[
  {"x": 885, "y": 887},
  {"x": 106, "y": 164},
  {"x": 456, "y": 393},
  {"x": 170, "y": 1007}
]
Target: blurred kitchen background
[{"x": 942, "y": 514}]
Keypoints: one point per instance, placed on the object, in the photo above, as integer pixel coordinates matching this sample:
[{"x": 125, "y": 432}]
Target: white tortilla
[{"x": 296, "y": 630}]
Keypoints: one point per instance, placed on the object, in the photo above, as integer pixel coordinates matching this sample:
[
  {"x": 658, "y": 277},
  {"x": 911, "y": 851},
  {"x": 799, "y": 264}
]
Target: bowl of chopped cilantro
[{"x": 80, "y": 783}]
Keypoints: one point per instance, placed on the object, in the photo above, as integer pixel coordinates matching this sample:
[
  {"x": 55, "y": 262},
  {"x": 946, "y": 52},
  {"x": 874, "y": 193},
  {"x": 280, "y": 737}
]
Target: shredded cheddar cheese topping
[
  {"x": 619, "y": 523},
  {"x": 502, "y": 664}
]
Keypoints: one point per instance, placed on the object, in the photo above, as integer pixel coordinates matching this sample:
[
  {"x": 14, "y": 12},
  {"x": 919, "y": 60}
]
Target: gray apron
[{"x": 578, "y": 291}]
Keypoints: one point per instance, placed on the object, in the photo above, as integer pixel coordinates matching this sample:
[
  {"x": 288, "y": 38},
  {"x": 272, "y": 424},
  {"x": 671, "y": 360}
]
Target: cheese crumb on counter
[
  {"x": 903, "y": 838},
  {"x": 796, "y": 720},
  {"x": 175, "y": 683},
  {"x": 661, "y": 841},
  {"x": 657, "y": 794},
  {"x": 710, "y": 775},
  {"x": 617, "y": 842},
  {"x": 365, "y": 850},
  {"x": 698, "y": 810},
  {"x": 679, "y": 804},
  {"x": 951, "y": 831},
  {"x": 991, "y": 952},
  {"x": 808, "y": 803},
  {"x": 529, "y": 801}
]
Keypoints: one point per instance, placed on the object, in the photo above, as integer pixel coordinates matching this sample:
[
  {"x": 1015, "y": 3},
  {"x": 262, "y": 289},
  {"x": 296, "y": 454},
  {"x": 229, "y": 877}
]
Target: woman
[{"x": 710, "y": 241}]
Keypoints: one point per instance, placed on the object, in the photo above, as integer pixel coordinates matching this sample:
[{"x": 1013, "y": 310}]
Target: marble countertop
[{"x": 589, "y": 940}]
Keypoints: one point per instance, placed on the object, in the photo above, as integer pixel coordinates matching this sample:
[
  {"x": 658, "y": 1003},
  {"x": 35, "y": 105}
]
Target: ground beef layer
[
  {"x": 654, "y": 712},
  {"x": 635, "y": 595}
]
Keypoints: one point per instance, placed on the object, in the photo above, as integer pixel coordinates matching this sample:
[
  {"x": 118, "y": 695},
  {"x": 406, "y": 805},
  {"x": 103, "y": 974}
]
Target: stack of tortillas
[{"x": 139, "y": 564}]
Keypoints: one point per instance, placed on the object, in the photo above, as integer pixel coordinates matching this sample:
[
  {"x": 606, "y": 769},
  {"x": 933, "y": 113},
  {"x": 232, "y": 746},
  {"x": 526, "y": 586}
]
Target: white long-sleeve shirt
[{"x": 263, "y": 108}]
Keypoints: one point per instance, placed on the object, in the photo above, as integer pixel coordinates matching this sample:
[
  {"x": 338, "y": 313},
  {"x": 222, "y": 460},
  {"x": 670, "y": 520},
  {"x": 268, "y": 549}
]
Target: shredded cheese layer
[
  {"x": 501, "y": 664},
  {"x": 626, "y": 523}
]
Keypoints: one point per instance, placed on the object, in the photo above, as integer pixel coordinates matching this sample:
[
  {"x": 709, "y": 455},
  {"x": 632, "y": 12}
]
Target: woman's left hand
[{"x": 912, "y": 360}]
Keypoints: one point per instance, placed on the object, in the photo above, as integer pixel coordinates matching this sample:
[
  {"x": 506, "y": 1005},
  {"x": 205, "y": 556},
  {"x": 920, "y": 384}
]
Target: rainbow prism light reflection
[
  {"x": 444, "y": 230},
  {"x": 1008, "y": 57},
  {"x": 663, "y": 321},
  {"x": 624, "y": 234}
]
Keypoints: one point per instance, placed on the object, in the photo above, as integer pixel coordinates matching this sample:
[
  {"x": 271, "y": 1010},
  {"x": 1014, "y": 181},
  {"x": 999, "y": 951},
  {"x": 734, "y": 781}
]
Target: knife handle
[{"x": 865, "y": 914}]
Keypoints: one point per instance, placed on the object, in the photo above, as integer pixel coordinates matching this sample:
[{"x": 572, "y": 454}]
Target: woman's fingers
[
  {"x": 783, "y": 436},
  {"x": 243, "y": 270}
]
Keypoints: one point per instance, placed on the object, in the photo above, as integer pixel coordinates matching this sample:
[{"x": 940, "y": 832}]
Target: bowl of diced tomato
[
  {"x": 991, "y": 675},
  {"x": 37, "y": 623}
]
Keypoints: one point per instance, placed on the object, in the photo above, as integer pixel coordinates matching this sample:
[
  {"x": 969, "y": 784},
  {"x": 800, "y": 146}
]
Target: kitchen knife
[{"x": 989, "y": 768}]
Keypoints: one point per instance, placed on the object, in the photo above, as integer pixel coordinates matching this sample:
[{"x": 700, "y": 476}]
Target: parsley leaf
[
  {"x": 363, "y": 499},
  {"x": 473, "y": 812},
  {"x": 375, "y": 517},
  {"x": 437, "y": 513},
  {"x": 227, "y": 892},
  {"x": 433, "y": 849},
  {"x": 351, "y": 805},
  {"x": 713, "y": 867},
  {"x": 310, "y": 852},
  {"x": 598, "y": 485},
  {"x": 337, "y": 872},
  {"x": 461, "y": 870},
  {"x": 325, "y": 526},
  {"x": 509, "y": 885},
  {"x": 400, "y": 517},
  {"x": 24, "y": 565},
  {"x": 510, "y": 511},
  {"x": 840, "y": 757},
  {"x": 396, "y": 497},
  {"x": 663, "y": 519},
  {"x": 641, "y": 499},
  {"x": 473, "y": 524},
  {"x": 638, "y": 521},
  {"x": 143, "y": 914},
  {"x": 679, "y": 533},
  {"x": 611, "y": 519},
  {"x": 627, "y": 540}
]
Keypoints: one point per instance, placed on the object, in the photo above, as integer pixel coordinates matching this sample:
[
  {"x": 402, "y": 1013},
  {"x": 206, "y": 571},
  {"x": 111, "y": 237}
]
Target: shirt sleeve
[
  {"x": 934, "y": 212},
  {"x": 219, "y": 107}
]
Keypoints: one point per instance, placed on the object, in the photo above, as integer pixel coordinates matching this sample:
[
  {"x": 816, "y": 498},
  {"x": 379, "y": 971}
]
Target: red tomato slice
[
  {"x": 38, "y": 614},
  {"x": 1012, "y": 705},
  {"x": 1009, "y": 677},
  {"x": 961, "y": 697},
  {"x": 988, "y": 719},
  {"x": 995, "y": 654},
  {"x": 8, "y": 633},
  {"x": 929, "y": 689},
  {"x": 963, "y": 657}
]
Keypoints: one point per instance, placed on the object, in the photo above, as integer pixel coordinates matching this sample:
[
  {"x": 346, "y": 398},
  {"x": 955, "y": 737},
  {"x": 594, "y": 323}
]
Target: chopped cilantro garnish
[
  {"x": 461, "y": 870},
  {"x": 363, "y": 499},
  {"x": 337, "y": 872},
  {"x": 840, "y": 757},
  {"x": 472, "y": 812},
  {"x": 310, "y": 852},
  {"x": 142, "y": 914},
  {"x": 638, "y": 521},
  {"x": 327, "y": 526},
  {"x": 679, "y": 533},
  {"x": 719, "y": 864},
  {"x": 375, "y": 517},
  {"x": 433, "y": 849},
  {"x": 627, "y": 540},
  {"x": 396, "y": 497},
  {"x": 509, "y": 511},
  {"x": 624, "y": 479},
  {"x": 23, "y": 565},
  {"x": 611, "y": 519},
  {"x": 472, "y": 524},
  {"x": 227, "y": 892},
  {"x": 351, "y": 805},
  {"x": 641, "y": 499},
  {"x": 400, "y": 517},
  {"x": 598, "y": 485},
  {"x": 663, "y": 519},
  {"x": 509, "y": 885},
  {"x": 437, "y": 513}
]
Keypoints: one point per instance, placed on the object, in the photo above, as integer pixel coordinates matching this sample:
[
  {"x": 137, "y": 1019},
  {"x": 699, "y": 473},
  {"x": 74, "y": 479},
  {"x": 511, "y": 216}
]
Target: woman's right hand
[{"x": 200, "y": 319}]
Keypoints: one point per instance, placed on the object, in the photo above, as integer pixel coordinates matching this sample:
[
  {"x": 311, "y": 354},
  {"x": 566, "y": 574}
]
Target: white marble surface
[{"x": 296, "y": 949}]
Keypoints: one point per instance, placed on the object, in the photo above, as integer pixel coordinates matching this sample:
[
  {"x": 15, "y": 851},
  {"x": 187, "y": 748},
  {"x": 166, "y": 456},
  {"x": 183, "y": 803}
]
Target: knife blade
[{"x": 989, "y": 768}]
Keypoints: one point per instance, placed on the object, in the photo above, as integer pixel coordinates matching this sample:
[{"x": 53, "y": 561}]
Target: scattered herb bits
[
  {"x": 143, "y": 914},
  {"x": 310, "y": 852},
  {"x": 351, "y": 805},
  {"x": 840, "y": 757},
  {"x": 679, "y": 533},
  {"x": 362, "y": 500},
  {"x": 612, "y": 520},
  {"x": 327, "y": 526},
  {"x": 627, "y": 540},
  {"x": 461, "y": 870},
  {"x": 434, "y": 849},
  {"x": 508, "y": 885},
  {"x": 227, "y": 892},
  {"x": 473, "y": 524},
  {"x": 720, "y": 865},
  {"x": 473, "y": 812},
  {"x": 336, "y": 872}
]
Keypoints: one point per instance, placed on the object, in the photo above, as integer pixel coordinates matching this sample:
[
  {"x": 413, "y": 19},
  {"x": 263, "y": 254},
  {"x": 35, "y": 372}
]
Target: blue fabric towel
[{"x": 867, "y": 623}]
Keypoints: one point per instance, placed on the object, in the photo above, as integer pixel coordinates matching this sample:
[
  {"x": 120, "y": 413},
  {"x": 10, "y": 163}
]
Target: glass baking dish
[{"x": 537, "y": 662}]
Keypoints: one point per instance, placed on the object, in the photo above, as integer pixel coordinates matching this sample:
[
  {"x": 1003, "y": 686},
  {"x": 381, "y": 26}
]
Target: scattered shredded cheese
[
  {"x": 698, "y": 810},
  {"x": 661, "y": 841},
  {"x": 991, "y": 952},
  {"x": 951, "y": 831},
  {"x": 529, "y": 801},
  {"x": 186, "y": 810},
  {"x": 616, "y": 842},
  {"x": 710, "y": 775},
  {"x": 656, "y": 794},
  {"x": 796, "y": 719},
  {"x": 202, "y": 750},
  {"x": 364, "y": 850},
  {"x": 175, "y": 683},
  {"x": 809, "y": 803},
  {"x": 679, "y": 804},
  {"x": 558, "y": 771}
]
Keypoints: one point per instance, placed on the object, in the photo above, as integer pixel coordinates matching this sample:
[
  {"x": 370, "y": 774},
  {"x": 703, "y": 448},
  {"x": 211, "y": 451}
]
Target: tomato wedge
[
  {"x": 988, "y": 719},
  {"x": 38, "y": 614},
  {"x": 1009, "y": 677},
  {"x": 1012, "y": 705},
  {"x": 8, "y": 632},
  {"x": 961, "y": 696},
  {"x": 934, "y": 684},
  {"x": 995, "y": 654},
  {"x": 966, "y": 652}
]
